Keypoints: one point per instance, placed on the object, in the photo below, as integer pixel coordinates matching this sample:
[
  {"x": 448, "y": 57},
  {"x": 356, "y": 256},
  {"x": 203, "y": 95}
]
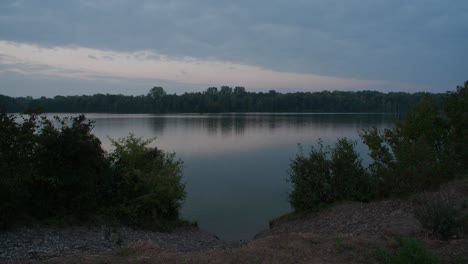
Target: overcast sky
[{"x": 52, "y": 47}]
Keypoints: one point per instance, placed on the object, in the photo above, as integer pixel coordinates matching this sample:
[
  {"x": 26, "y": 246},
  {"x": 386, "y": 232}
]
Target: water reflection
[
  {"x": 235, "y": 165},
  {"x": 220, "y": 133}
]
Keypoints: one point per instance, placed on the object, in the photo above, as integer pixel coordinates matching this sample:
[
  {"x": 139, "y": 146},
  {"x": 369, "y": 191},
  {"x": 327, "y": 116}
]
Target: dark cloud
[{"x": 419, "y": 41}]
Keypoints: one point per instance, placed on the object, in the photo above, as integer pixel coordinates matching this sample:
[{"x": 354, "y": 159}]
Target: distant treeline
[{"x": 225, "y": 99}]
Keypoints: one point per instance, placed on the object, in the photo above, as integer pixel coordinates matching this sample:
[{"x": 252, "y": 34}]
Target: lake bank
[{"x": 346, "y": 233}]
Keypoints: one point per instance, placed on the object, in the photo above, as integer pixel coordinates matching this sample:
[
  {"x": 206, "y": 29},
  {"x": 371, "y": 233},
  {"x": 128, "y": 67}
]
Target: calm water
[{"x": 235, "y": 165}]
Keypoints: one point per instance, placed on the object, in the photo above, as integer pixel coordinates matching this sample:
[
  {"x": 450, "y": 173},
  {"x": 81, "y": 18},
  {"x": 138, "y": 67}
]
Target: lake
[{"x": 236, "y": 165}]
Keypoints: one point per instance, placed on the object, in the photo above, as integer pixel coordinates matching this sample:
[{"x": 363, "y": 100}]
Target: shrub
[
  {"x": 17, "y": 146},
  {"x": 415, "y": 155},
  {"x": 150, "y": 191},
  {"x": 319, "y": 178},
  {"x": 456, "y": 109},
  {"x": 49, "y": 170},
  {"x": 311, "y": 179},
  {"x": 57, "y": 171},
  {"x": 436, "y": 212},
  {"x": 349, "y": 178},
  {"x": 410, "y": 251},
  {"x": 69, "y": 169}
]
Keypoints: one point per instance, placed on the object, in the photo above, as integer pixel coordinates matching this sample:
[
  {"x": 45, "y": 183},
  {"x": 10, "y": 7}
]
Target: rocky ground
[
  {"x": 344, "y": 233},
  {"x": 44, "y": 243}
]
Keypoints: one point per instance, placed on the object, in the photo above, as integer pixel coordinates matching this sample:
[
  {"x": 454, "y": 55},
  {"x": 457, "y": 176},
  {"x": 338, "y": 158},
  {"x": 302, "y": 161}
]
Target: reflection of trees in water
[
  {"x": 158, "y": 124},
  {"x": 229, "y": 124},
  {"x": 212, "y": 125},
  {"x": 239, "y": 126}
]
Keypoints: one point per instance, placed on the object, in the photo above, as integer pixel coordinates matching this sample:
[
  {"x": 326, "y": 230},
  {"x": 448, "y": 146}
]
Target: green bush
[
  {"x": 57, "y": 171},
  {"x": 17, "y": 146},
  {"x": 69, "y": 169},
  {"x": 151, "y": 189},
  {"x": 48, "y": 170},
  {"x": 349, "y": 178},
  {"x": 415, "y": 155},
  {"x": 456, "y": 109},
  {"x": 424, "y": 149},
  {"x": 319, "y": 178},
  {"x": 410, "y": 251},
  {"x": 311, "y": 179}
]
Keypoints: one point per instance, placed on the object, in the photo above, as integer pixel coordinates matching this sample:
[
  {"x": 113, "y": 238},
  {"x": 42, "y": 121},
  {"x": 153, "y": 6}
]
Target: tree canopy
[{"x": 225, "y": 99}]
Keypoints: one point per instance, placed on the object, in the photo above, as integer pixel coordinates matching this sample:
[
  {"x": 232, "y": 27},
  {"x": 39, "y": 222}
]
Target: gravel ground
[
  {"x": 386, "y": 218},
  {"x": 344, "y": 233},
  {"x": 43, "y": 243},
  {"x": 374, "y": 220}
]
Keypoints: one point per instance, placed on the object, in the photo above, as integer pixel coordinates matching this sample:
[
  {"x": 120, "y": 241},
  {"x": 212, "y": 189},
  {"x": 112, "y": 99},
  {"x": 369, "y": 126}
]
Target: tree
[
  {"x": 157, "y": 93},
  {"x": 211, "y": 91},
  {"x": 68, "y": 160},
  {"x": 456, "y": 109},
  {"x": 58, "y": 169},
  {"x": 49, "y": 169},
  {"x": 224, "y": 100},
  {"x": 239, "y": 90},
  {"x": 17, "y": 148},
  {"x": 225, "y": 90},
  {"x": 416, "y": 154}
]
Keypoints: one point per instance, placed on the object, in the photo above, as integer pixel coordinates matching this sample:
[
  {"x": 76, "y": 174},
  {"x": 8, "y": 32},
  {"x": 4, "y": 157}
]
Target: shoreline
[{"x": 343, "y": 233}]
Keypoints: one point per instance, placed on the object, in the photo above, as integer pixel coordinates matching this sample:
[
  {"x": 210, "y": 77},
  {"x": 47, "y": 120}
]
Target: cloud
[
  {"x": 420, "y": 41},
  {"x": 75, "y": 62}
]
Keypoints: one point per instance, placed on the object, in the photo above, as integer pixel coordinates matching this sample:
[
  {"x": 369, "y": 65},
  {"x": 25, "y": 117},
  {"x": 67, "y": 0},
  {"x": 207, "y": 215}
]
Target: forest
[{"x": 225, "y": 99}]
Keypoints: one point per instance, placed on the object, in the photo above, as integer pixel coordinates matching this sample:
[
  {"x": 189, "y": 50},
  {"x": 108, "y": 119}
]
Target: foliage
[
  {"x": 424, "y": 149},
  {"x": 151, "y": 189},
  {"x": 225, "y": 99},
  {"x": 319, "y": 178},
  {"x": 57, "y": 169},
  {"x": 415, "y": 155},
  {"x": 410, "y": 251},
  {"x": 48, "y": 169},
  {"x": 16, "y": 156},
  {"x": 349, "y": 178},
  {"x": 456, "y": 109},
  {"x": 311, "y": 179},
  {"x": 69, "y": 169}
]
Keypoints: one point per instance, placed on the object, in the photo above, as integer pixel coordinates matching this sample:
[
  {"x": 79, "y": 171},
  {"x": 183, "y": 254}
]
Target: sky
[{"x": 56, "y": 47}]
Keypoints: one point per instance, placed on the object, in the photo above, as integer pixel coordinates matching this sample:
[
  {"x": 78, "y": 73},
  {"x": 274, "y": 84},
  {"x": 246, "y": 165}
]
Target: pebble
[{"x": 47, "y": 242}]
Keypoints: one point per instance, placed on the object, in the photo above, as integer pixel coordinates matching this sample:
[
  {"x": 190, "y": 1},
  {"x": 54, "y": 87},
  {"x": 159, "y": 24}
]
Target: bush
[
  {"x": 70, "y": 168},
  {"x": 318, "y": 178},
  {"x": 414, "y": 156},
  {"x": 456, "y": 109},
  {"x": 57, "y": 170},
  {"x": 410, "y": 251},
  {"x": 16, "y": 155},
  {"x": 349, "y": 178},
  {"x": 436, "y": 212},
  {"x": 47, "y": 170},
  {"x": 150, "y": 183},
  {"x": 311, "y": 179}
]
